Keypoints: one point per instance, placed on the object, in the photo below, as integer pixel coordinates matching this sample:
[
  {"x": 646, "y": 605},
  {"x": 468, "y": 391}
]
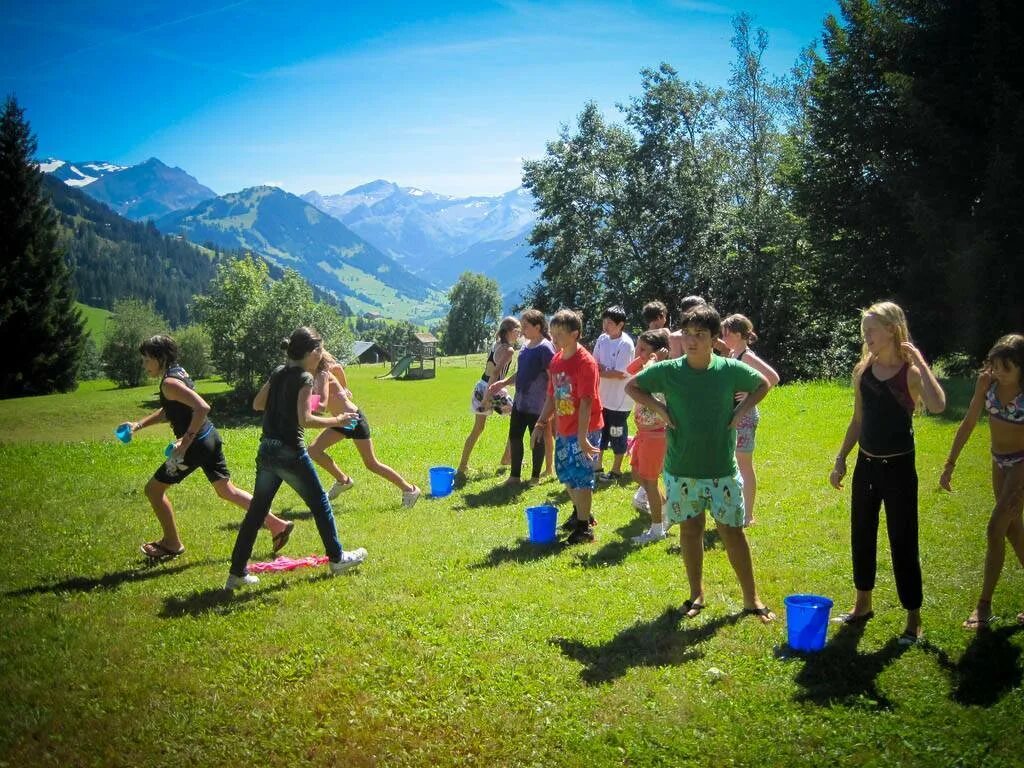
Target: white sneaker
[
  {"x": 337, "y": 489},
  {"x": 234, "y": 582},
  {"x": 409, "y": 498},
  {"x": 640, "y": 500},
  {"x": 649, "y": 536},
  {"x": 348, "y": 560}
]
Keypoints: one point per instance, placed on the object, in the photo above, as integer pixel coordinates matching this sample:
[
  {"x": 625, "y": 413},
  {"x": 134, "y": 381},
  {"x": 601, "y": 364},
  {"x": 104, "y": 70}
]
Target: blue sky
[{"x": 327, "y": 95}]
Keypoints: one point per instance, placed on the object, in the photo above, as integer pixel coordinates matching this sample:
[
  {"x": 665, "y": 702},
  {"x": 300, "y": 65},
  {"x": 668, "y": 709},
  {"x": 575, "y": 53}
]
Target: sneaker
[
  {"x": 650, "y": 535},
  {"x": 570, "y": 522},
  {"x": 338, "y": 488},
  {"x": 234, "y": 582},
  {"x": 581, "y": 534},
  {"x": 348, "y": 560},
  {"x": 409, "y": 498},
  {"x": 640, "y": 502},
  {"x": 609, "y": 477}
]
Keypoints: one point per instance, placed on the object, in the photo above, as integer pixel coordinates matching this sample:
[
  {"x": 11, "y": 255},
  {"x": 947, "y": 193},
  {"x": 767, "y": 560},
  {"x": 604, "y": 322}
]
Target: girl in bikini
[
  {"x": 483, "y": 404},
  {"x": 1000, "y": 392},
  {"x": 197, "y": 445},
  {"x": 335, "y": 395},
  {"x": 738, "y": 334},
  {"x": 887, "y": 382}
]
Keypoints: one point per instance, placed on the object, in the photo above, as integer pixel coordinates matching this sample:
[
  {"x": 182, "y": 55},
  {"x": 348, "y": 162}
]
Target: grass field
[
  {"x": 95, "y": 322},
  {"x": 459, "y": 643}
]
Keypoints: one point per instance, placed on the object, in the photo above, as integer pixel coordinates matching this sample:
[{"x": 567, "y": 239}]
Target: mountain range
[{"x": 383, "y": 247}]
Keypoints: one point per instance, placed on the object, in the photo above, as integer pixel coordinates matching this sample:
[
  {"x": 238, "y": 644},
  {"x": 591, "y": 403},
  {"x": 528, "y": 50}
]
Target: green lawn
[
  {"x": 95, "y": 322},
  {"x": 457, "y": 642}
]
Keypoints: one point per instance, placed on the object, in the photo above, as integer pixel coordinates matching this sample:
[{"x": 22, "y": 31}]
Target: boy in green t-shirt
[{"x": 700, "y": 465}]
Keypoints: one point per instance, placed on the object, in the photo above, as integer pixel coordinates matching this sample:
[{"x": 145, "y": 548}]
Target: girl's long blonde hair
[{"x": 890, "y": 315}]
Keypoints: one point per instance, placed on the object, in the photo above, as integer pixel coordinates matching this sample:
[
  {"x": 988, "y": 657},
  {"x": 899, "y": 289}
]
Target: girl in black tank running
[
  {"x": 197, "y": 446},
  {"x": 887, "y": 382}
]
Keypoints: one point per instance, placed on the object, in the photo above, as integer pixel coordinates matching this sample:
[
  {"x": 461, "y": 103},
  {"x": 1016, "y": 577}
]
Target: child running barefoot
[
  {"x": 890, "y": 377},
  {"x": 700, "y": 466},
  {"x": 197, "y": 446},
  {"x": 339, "y": 401},
  {"x": 574, "y": 400},
  {"x": 738, "y": 334},
  {"x": 648, "y": 455},
  {"x": 1000, "y": 392},
  {"x": 282, "y": 456},
  {"x": 482, "y": 405}
]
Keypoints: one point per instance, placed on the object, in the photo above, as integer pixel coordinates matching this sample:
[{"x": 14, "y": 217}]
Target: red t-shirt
[{"x": 569, "y": 381}]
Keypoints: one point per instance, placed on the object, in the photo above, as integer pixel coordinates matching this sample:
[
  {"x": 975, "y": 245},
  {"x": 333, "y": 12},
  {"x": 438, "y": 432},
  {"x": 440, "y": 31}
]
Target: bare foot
[{"x": 981, "y": 616}]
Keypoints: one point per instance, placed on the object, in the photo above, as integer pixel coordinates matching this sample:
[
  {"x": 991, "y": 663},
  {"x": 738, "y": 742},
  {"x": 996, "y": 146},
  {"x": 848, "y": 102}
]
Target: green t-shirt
[{"x": 701, "y": 405}]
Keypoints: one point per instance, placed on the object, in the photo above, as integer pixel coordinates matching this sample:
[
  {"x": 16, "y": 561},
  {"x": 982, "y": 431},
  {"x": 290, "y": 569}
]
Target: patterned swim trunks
[
  {"x": 689, "y": 496},
  {"x": 572, "y": 466}
]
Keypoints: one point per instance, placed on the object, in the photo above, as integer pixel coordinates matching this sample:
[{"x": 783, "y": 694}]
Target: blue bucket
[
  {"x": 807, "y": 621},
  {"x": 124, "y": 433},
  {"x": 541, "y": 523},
  {"x": 442, "y": 479}
]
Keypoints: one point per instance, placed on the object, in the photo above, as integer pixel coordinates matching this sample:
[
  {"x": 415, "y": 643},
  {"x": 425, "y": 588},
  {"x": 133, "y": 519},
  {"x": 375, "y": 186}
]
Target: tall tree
[
  {"x": 475, "y": 308},
  {"x": 912, "y": 165},
  {"x": 41, "y": 330}
]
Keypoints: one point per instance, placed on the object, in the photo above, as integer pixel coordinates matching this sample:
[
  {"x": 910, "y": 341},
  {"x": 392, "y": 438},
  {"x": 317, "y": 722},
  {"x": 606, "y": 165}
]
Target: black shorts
[
  {"x": 358, "y": 431},
  {"x": 206, "y": 454}
]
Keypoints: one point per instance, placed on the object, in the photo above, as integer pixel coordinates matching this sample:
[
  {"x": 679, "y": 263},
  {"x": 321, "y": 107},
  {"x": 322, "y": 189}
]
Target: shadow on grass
[
  {"x": 495, "y": 496},
  {"x": 615, "y": 552},
  {"x": 988, "y": 670},
  {"x": 218, "y": 601},
  {"x": 711, "y": 541},
  {"x": 840, "y": 674},
  {"x": 658, "y": 643},
  {"x": 113, "y": 580},
  {"x": 523, "y": 552}
]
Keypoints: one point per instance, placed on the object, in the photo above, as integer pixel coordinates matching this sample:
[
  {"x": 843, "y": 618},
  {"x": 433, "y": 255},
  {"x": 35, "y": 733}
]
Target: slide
[{"x": 399, "y": 369}]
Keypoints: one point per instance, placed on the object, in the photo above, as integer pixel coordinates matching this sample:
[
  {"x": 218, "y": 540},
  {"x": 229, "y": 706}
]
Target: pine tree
[{"x": 41, "y": 331}]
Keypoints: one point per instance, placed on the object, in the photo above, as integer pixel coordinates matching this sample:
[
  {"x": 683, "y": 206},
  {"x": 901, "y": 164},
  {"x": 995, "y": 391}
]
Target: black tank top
[
  {"x": 179, "y": 414},
  {"x": 886, "y": 426},
  {"x": 281, "y": 417}
]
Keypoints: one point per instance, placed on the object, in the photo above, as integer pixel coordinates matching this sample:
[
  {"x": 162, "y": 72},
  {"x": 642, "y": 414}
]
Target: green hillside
[{"x": 95, "y": 321}]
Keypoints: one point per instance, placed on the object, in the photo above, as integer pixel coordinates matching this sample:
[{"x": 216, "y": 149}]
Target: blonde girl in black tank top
[
  {"x": 890, "y": 378},
  {"x": 498, "y": 361}
]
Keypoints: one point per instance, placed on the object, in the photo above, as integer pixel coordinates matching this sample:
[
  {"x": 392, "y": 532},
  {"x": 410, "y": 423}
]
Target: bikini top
[
  {"x": 1013, "y": 411},
  {"x": 489, "y": 367}
]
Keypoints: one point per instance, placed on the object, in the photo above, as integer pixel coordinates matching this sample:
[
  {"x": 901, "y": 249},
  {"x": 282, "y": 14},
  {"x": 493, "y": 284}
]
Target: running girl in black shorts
[{"x": 197, "y": 446}]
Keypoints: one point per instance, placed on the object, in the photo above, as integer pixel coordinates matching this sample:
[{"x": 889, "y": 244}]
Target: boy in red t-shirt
[{"x": 573, "y": 397}]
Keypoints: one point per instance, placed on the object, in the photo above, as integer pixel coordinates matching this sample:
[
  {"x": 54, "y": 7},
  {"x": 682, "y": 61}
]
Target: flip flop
[
  {"x": 282, "y": 538},
  {"x": 854, "y": 618},
  {"x": 764, "y": 613},
  {"x": 975, "y": 622},
  {"x": 692, "y": 608},
  {"x": 157, "y": 552}
]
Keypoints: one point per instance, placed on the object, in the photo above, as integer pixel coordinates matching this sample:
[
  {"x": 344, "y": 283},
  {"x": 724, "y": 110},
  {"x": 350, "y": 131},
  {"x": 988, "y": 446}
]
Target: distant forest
[{"x": 114, "y": 258}]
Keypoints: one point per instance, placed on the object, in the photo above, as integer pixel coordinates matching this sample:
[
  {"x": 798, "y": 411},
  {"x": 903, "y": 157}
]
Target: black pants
[
  {"x": 892, "y": 482},
  {"x": 520, "y": 424}
]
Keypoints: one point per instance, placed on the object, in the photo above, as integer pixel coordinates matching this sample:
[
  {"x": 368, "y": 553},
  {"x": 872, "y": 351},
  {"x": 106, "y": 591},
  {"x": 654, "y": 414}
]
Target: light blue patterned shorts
[{"x": 689, "y": 496}]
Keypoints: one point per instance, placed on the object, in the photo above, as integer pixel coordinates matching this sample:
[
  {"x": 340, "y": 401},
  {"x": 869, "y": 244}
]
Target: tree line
[{"x": 887, "y": 165}]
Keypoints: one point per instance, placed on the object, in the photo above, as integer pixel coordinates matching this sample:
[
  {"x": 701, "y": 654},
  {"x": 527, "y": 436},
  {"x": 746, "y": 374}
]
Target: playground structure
[{"x": 417, "y": 362}]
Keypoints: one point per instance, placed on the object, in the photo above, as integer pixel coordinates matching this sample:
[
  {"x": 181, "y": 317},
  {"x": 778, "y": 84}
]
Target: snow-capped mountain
[
  {"x": 78, "y": 174},
  {"x": 438, "y": 236},
  {"x": 144, "y": 191}
]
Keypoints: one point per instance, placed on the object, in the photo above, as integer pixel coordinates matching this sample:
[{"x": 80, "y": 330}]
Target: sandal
[
  {"x": 975, "y": 621},
  {"x": 282, "y": 538},
  {"x": 764, "y": 613},
  {"x": 909, "y": 638},
  {"x": 692, "y": 608},
  {"x": 157, "y": 552}
]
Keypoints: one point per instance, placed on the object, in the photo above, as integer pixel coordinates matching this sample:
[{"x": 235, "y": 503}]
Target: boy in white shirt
[{"x": 614, "y": 351}]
